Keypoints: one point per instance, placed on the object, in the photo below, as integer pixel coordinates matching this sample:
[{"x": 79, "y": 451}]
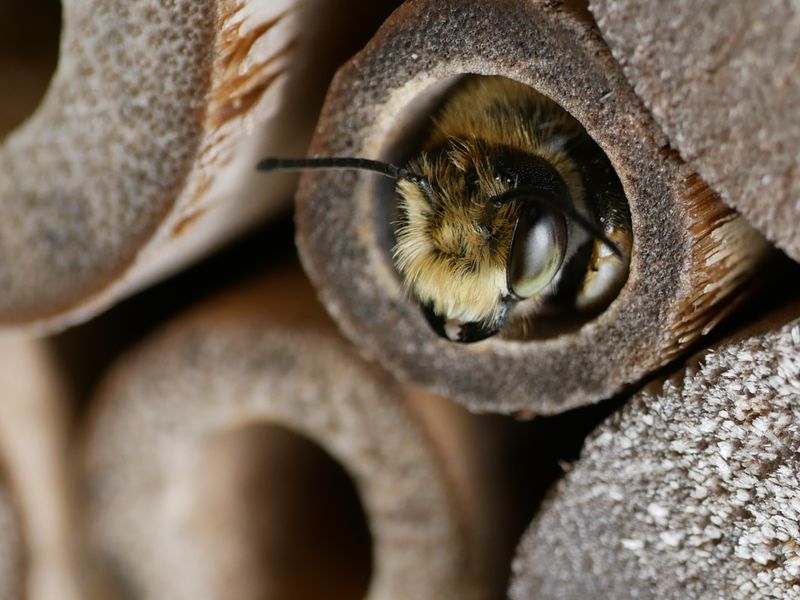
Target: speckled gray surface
[
  {"x": 690, "y": 491},
  {"x": 689, "y": 253},
  {"x": 87, "y": 178},
  {"x": 722, "y": 80}
]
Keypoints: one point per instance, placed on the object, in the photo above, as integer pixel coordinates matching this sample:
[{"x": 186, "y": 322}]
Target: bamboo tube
[
  {"x": 140, "y": 157},
  {"x": 11, "y": 553},
  {"x": 35, "y": 451},
  {"x": 721, "y": 80},
  {"x": 210, "y": 460},
  {"x": 690, "y": 255},
  {"x": 690, "y": 491}
]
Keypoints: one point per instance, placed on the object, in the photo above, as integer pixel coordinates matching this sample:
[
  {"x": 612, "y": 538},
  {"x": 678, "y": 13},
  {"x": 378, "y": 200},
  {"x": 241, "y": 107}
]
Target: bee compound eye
[{"x": 537, "y": 250}]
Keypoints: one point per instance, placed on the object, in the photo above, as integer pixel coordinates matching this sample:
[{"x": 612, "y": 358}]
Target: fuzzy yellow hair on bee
[
  {"x": 494, "y": 209},
  {"x": 453, "y": 255}
]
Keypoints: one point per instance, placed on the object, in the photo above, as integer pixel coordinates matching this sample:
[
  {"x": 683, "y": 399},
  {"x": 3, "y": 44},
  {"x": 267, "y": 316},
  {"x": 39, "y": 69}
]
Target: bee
[{"x": 509, "y": 205}]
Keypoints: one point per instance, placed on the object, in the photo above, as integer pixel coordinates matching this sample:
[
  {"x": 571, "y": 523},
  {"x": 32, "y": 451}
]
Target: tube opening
[
  {"x": 499, "y": 116},
  {"x": 29, "y": 41},
  {"x": 280, "y": 518}
]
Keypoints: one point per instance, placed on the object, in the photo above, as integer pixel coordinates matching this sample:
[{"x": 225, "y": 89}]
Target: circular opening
[
  {"x": 591, "y": 275},
  {"x": 29, "y": 38},
  {"x": 281, "y": 518}
]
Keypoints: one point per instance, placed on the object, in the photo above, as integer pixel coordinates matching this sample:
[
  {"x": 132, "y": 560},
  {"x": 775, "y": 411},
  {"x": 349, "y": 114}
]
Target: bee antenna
[{"x": 358, "y": 164}]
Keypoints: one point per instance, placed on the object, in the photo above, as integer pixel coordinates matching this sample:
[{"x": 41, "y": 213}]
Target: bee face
[
  {"x": 452, "y": 247},
  {"x": 468, "y": 256}
]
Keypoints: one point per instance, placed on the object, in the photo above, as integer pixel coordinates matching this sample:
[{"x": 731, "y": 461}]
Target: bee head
[
  {"x": 480, "y": 229},
  {"x": 470, "y": 248}
]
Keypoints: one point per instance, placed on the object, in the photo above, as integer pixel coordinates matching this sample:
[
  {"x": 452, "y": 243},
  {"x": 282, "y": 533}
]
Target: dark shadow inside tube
[
  {"x": 29, "y": 38},
  {"x": 281, "y": 519}
]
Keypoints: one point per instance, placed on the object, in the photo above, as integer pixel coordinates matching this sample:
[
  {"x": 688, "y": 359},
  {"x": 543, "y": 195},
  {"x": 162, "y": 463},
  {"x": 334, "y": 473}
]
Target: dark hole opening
[
  {"x": 291, "y": 514},
  {"x": 29, "y": 39}
]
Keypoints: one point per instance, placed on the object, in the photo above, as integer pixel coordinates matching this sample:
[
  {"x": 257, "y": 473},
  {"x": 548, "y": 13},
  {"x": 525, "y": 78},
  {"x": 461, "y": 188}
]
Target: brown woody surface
[
  {"x": 139, "y": 158},
  {"x": 722, "y": 80},
  {"x": 690, "y": 254}
]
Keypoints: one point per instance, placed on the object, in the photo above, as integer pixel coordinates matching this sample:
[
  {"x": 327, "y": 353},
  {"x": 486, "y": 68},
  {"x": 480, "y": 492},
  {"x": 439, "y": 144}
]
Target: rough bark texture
[
  {"x": 721, "y": 79},
  {"x": 689, "y": 492},
  {"x": 690, "y": 251}
]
